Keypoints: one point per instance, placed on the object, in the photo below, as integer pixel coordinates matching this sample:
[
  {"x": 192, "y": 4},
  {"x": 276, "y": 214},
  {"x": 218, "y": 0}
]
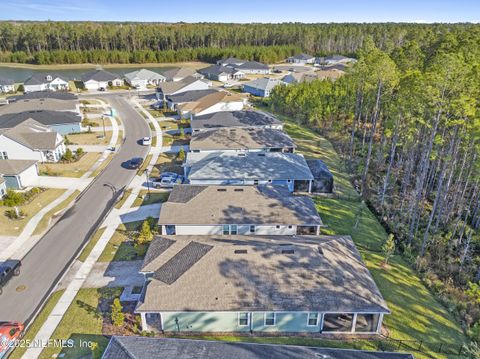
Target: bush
[
  {"x": 13, "y": 198},
  {"x": 181, "y": 155},
  {"x": 12, "y": 214},
  {"x": 68, "y": 155},
  {"x": 79, "y": 152},
  {"x": 117, "y": 315},
  {"x": 145, "y": 235}
]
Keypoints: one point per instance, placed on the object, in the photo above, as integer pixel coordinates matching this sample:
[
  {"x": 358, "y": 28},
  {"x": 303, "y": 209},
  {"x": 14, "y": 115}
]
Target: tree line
[
  {"x": 74, "y": 42},
  {"x": 407, "y": 124}
]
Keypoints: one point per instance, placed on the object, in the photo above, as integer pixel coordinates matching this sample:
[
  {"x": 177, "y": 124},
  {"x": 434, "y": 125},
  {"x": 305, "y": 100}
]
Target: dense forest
[
  {"x": 407, "y": 124},
  {"x": 71, "y": 42}
]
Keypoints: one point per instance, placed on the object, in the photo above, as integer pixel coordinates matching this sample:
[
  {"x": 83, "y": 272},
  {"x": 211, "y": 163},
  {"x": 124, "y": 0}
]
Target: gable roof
[
  {"x": 252, "y": 65},
  {"x": 232, "y": 119},
  {"x": 231, "y": 61},
  {"x": 217, "y": 70},
  {"x": 170, "y": 87},
  {"x": 189, "y": 96},
  {"x": 47, "y": 118},
  {"x": 179, "y": 72},
  {"x": 6, "y": 82},
  {"x": 99, "y": 75},
  {"x": 144, "y": 74},
  {"x": 302, "y": 57},
  {"x": 240, "y": 138},
  {"x": 208, "y": 101},
  {"x": 196, "y": 205},
  {"x": 249, "y": 166},
  {"x": 39, "y": 79},
  {"x": 32, "y": 134},
  {"x": 37, "y": 95},
  {"x": 262, "y": 273},
  {"x": 264, "y": 84},
  {"x": 15, "y": 167},
  {"x": 130, "y": 347},
  {"x": 49, "y": 104}
]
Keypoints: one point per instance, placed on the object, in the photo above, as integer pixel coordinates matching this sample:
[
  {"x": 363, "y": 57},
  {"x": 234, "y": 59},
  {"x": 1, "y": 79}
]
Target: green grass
[
  {"x": 120, "y": 247},
  {"x": 82, "y": 321},
  {"x": 416, "y": 314},
  {"x": 144, "y": 198},
  {"x": 144, "y": 165},
  {"x": 91, "y": 243},
  {"x": 37, "y": 324}
]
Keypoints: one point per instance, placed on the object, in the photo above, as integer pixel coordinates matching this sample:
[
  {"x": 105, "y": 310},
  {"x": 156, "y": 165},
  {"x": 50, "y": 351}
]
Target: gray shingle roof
[
  {"x": 15, "y": 167},
  {"x": 231, "y": 60},
  {"x": 216, "y": 70},
  {"x": 265, "y": 84},
  {"x": 144, "y": 74},
  {"x": 58, "y": 95},
  {"x": 252, "y": 65},
  {"x": 208, "y": 205},
  {"x": 189, "y": 96},
  {"x": 32, "y": 134},
  {"x": 98, "y": 75},
  {"x": 172, "y": 348},
  {"x": 38, "y": 79},
  {"x": 170, "y": 87},
  {"x": 250, "y": 166},
  {"x": 240, "y": 138},
  {"x": 179, "y": 72},
  {"x": 50, "y": 104},
  {"x": 6, "y": 82},
  {"x": 234, "y": 119},
  {"x": 303, "y": 57},
  {"x": 47, "y": 118},
  {"x": 266, "y": 273}
]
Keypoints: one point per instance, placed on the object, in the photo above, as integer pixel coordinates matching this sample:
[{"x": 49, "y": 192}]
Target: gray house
[
  {"x": 301, "y": 59},
  {"x": 101, "y": 79},
  {"x": 63, "y": 122},
  {"x": 187, "y": 96},
  {"x": 225, "y": 210},
  {"x": 6, "y": 85},
  {"x": 18, "y": 174},
  {"x": 289, "y": 170},
  {"x": 259, "y": 284},
  {"x": 261, "y": 87},
  {"x": 235, "y": 119},
  {"x": 242, "y": 139},
  {"x": 129, "y": 347},
  {"x": 142, "y": 78},
  {"x": 222, "y": 73},
  {"x": 253, "y": 67}
]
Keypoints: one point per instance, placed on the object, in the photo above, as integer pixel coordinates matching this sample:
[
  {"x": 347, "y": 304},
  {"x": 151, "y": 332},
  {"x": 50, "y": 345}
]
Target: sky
[{"x": 244, "y": 11}]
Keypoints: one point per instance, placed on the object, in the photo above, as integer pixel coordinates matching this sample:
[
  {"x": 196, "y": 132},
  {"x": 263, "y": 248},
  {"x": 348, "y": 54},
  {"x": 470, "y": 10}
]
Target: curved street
[{"x": 46, "y": 262}]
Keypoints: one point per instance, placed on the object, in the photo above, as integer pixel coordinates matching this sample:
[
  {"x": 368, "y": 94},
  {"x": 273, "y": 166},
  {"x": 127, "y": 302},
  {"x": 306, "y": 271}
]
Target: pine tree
[{"x": 388, "y": 248}]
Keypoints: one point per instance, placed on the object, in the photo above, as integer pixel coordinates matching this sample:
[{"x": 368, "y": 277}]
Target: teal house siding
[
  {"x": 284, "y": 322},
  {"x": 66, "y": 128},
  {"x": 202, "y": 322}
]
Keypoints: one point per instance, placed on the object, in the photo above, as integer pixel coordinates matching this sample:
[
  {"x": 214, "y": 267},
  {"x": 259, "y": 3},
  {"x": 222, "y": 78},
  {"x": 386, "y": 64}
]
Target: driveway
[{"x": 115, "y": 274}]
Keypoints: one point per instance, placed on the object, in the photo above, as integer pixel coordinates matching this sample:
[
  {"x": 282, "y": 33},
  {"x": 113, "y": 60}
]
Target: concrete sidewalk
[
  {"x": 174, "y": 149},
  {"x": 62, "y": 182}
]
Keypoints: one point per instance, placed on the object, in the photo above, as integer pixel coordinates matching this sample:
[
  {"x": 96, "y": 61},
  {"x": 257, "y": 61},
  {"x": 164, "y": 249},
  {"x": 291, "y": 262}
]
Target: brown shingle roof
[{"x": 209, "y": 100}]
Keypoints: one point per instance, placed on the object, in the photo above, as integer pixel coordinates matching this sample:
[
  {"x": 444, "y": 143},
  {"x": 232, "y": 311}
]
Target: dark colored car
[
  {"x": 8, "y": 269},
  {"x": 102, "y": 89},
  {"x": 135, "y": 163}
]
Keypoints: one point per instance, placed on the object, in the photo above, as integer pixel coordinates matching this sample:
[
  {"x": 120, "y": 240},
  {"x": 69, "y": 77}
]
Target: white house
[
  {"x": 222, "y": 73},
  {"x": 176, "y": 87},
  {"x": 6, "y": 85},
  {"x": 235, "y": 119},
  {"x": 242, "y": 210},
  {"x": 101, "y": 79},
  {"x": 301, "y": 59},
  {"x": 334, "y": 60},
  {"x": 38, "y": 82},
  {"x": 142, "y": 78},
  {"x": 18, "y": 174},
  {"x": 3, "y": 186},
  {"x": 215, "y": 102},
  {"x": 180, "y": 73},
  {"x": 31, "y": 140}
]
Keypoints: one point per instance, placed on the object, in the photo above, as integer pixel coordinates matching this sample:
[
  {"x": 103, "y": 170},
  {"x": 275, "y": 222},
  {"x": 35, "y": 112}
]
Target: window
[
  {"x": 337, "y": 322},
  {"x": 255, "y": 182},
  {"x": 277, "y": 227},
  {"x": 233, "y": 229},
  {"x": 269, "y": 319},
  {"x": 312, "y": 320},
  {"x": 290, "y": 227},
  {"x": 252, "y": 228},
  {"x": 170, "y": 229},
  {"x": 226, "y": 229},
  {"x": 367, "y": 323},
  {"x": 243, "y": 319},
  {"x": 4, "y": 155}
]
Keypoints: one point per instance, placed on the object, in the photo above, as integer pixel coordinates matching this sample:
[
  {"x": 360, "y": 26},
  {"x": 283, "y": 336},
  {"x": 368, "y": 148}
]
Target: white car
[
  {"x": 146, "y": 141},
  {"x": 228, "y": 85},
  {"x": 167, "y": 180}
]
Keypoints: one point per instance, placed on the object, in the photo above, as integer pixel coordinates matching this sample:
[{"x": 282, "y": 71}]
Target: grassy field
[
  {"x": 73, "y": 169},
  {"x": 416, "y": 315},
  {"x": 37, "y": 324},
  {"x": 13, "y": 227},
  {"x": 45, "y": 221},
  {"x": 90, "y": 138},
  {"x": 155, "y": 196},
  {"x": 120, "y": 247},
  {"x": 91, "y": 243}
]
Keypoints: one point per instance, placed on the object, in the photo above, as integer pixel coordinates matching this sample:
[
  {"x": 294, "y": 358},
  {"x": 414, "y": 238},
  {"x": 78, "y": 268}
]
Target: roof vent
[
  {"x": 221, "y": 190},
  {"x": 238, "y": 189},
  {"x": 288, "y": 251},
  {"x": 320, "y": 250},
  {"x": 241, "y": 154},
  {"x": 240, "y": 251},
  {"x": 261, "y": 154}
]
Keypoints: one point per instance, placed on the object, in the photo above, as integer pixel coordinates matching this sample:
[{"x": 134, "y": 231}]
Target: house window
[
  {"x": 341, "y": 322},
  {"x": 233, "y": 229},
  {"x": 290, "y": 227},
  {"x": 226, "y": 229},
  {"x": 269, "y": 319},
  {"x": 367, "y": 323},
  {"x": 312, "y": 320},
  {"x": 277, "y": 227},
  {"x": 243, "y": 319},
  {"x": 252, "y": 228},
  {"x": 170, "y": 229},
  {"x": 4, "y": 155},
  {"x": 255, "y": 182}
]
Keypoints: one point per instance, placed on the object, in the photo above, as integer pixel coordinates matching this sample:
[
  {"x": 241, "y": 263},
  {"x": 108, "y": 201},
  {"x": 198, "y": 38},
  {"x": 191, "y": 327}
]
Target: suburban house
[
  {"x": 222, "y": 73},
  {"x": 301, "y": 59},
  {"x": 42, "y": 101},
  {"x": 142, "y": 78},
  {"x": 323, "y": 74},
  {"x": 30, "y": 140},
  {"x": 253, "y": 67},
  {"x": 231, "y": 61},
  {"x": 334, "y": 60},
  {"x": 214, "y": 102},
  {"x": 6, "y": 85},
  {"x": 261, "y": 87},
  {"x": 39, "y": 82},
  {"x": 235, "y": 119},
  {"x": 180, "y": 73},
  {"x": 226, "y": 210},
  {"x": 18, "y": 174},
  {"x": 188, "y": 96},
  {"x": 252, "y": 139},
  {"x": 101, "y": 79},
  {"x": 63, "y": 122},
  {"x": 322, "y": 177},
  {"x": 258, "y": 284},
  {"x": 289, "y": 170},
  {"x": 175, "y": 87},
  {"x": 128, "y": 347}
]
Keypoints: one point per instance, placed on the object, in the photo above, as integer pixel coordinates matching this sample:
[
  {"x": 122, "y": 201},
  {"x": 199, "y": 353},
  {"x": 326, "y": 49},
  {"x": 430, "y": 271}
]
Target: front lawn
[
  {"x": 416, "y": 315},
  {"x": 70, "y": 169},
  {"x": 45, "y": 221},
  {"x": 166, "y": 162},
  {"x": 121, "y": 245},
  {"x": 90, "y": 138},
  {"x": 144, "y": 198}
]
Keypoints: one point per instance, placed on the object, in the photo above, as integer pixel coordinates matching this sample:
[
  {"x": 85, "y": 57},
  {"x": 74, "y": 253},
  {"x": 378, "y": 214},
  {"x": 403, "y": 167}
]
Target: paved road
[{"x": 43, "y": 266}]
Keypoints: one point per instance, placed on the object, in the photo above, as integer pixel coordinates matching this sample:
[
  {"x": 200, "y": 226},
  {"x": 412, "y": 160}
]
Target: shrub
[
  {"x": 145, "y": 234},
  {"x": 68, "y": 155},
  {"x": 117, "y": 315},
  {"x": 12, "y": 214},
  {"x": 13, "y": 198},
  {"x": 66, "y": 140},
  {"x": 388, "y": 248},
  {"x": 79, "y": 152},
  {"x": 181, "y": 155}
]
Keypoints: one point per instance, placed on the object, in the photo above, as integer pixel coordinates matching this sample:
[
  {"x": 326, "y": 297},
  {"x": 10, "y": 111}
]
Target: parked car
[
  {"x": 101, "y": 89},
  {"x": 9, "y": 332},
  {"x": 228, "y": 85},
  {"x": 8, "y": 269},
  {"x": 146, "y": 141},
  {"x": 167, "y": 180},
  {"x": 135, "y": 163}
]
